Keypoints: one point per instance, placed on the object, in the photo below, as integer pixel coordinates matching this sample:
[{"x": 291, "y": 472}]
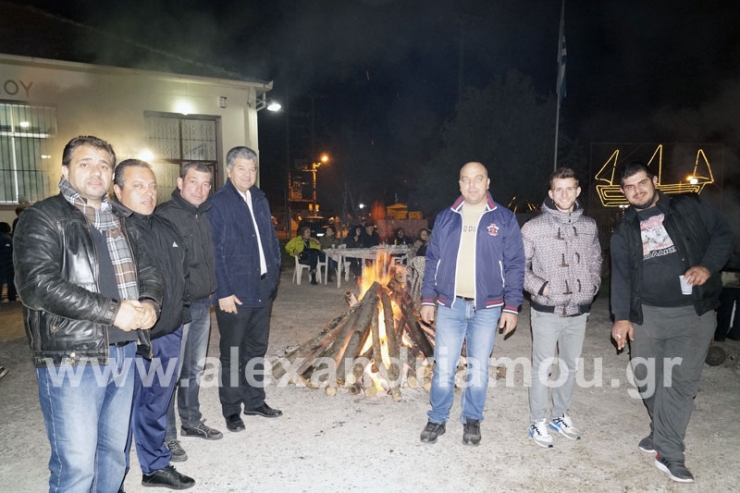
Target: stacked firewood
[{"x": 339, "y": 357}]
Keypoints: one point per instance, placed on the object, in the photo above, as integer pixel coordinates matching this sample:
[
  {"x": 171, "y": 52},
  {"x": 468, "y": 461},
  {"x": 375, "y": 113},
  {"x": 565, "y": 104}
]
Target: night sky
[{"x": 384, "y": 74}]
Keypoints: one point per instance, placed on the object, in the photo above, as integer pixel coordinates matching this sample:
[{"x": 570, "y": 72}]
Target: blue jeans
[
  {"x": 193, "y": 349},
  {"x": 87, "y": 412},
  {"x": 478, "y": 328}
]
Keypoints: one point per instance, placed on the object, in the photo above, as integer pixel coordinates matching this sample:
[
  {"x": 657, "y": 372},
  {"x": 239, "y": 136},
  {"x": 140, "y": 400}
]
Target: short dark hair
[
  {"x": 303, "y": 229},
  {"x": 329, "y": 227},
  {"x": 197, "y": 166},
  {"x": 89, "y": 140},
  {"x": 632, "y": 169},
  {"x": 5, "y": 228},
  {"x": 563, "y": 173},
  {"x": 128, "y": 163},
  {"x": 240, "y": 152}
]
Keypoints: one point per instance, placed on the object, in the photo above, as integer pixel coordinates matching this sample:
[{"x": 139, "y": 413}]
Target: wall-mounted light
[
  {"x": 45, "y": 156},
  {"x": 183, "y": 107},
  {"x": 25, "y": 124},
  {"x": 146, "y": 155},
  {"x": 270, "y": 104},
  {"x": 222, "y": 101}
]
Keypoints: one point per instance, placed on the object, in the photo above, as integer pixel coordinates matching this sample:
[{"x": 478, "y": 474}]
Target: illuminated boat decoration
[{"x": 611, "y": 196}]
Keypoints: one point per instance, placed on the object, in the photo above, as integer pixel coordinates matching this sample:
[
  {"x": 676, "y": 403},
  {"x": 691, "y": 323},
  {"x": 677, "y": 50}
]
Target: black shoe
[
  {"x": 733, "y": 337},
  {"x": 265, "y": 411},
  {"x": 471, "y": 432},
  {"x": 234, "y": 423},
  {"x": 168, "y": 478},
  {"x": 675, "y": 469},
  {"x": 431, "y": 431},
  {"x": 178, "y": 453},
  {"x": 201, "y": 431}
]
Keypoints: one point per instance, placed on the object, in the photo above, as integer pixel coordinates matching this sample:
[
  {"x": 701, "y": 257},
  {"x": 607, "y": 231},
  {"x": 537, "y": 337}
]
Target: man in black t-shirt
[{"x": 666, "y": 257}]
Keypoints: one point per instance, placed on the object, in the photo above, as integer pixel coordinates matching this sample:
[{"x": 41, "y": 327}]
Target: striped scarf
[{"x": 118, "y": 248}]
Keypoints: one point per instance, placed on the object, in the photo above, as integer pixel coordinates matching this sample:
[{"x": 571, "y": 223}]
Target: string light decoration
[{"x": 610, "y": 195}]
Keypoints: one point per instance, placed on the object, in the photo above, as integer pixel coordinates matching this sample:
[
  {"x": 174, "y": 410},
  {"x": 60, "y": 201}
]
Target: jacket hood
[{"x": 548, "y": 207}]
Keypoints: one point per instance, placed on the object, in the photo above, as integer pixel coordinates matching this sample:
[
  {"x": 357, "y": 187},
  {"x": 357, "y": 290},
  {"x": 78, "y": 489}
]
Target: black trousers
[
  {"x": 6, "y": 277},
  {"x": 243, "y": 346},
  {"x": 727, "y": 299},
  {"x": 312, "y": 257}
]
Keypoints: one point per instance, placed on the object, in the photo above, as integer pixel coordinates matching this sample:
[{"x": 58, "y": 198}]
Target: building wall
[{"x": 110, "y": 103}]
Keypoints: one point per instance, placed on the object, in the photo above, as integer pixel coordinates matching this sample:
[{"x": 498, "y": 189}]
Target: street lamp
[{"x": 324, "y": 159}]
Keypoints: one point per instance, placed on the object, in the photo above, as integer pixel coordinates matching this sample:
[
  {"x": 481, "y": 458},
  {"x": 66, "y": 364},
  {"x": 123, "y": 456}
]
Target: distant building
[{"x": 163, "y": 117}]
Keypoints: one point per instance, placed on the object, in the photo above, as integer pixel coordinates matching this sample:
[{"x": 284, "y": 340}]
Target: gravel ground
[{"x": 355, "y": 443}]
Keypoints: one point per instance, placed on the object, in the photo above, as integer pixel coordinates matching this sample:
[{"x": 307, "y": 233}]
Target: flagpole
[
  {"x": 559, "y": 90},
  {"x": 557, "y": 127}
]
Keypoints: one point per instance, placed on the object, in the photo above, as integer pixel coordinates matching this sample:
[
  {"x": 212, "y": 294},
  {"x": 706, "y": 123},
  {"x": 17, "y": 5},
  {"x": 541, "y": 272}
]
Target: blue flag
[{"x": 562, "y": 58}]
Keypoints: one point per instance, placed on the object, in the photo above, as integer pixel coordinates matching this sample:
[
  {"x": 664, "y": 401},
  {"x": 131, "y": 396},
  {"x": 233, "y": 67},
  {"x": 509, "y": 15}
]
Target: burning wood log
[
  {"x": 377, "y": 354},
  {"x": 316, "y": 353},
  {"x": 279, "y": 368},
  {"x": 350, "y": 352},
  {"x": 354, "y": 379},
  {"x": 415, "y": 333},
  {"x": 394, "y": 371},
  {"x": 361, "y": 318},
  {"x": 365, "y": 313},
  {"x": 350, "y": 298}
]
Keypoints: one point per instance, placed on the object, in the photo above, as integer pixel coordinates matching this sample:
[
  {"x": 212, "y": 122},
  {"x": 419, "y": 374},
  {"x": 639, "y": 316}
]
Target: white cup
[{"x": 685, "y": 286}]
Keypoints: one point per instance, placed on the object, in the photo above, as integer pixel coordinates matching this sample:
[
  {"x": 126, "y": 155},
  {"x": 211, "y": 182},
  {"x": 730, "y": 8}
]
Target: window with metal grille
[
  {"x": 25, "y": 160},
  {"x": 177, "y": 139}
]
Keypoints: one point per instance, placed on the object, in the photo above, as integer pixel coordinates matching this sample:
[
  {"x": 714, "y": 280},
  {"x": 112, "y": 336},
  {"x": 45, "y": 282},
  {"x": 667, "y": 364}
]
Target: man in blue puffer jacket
[{"x": 475, "y": 275}]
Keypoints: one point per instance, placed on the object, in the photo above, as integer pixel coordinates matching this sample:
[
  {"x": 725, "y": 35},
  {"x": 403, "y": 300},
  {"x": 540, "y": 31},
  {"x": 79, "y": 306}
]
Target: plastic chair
[
  {"x": 345, "y": 266},
  {"x": 322, "y": 267},
  {"x": 299, "y": 268}
]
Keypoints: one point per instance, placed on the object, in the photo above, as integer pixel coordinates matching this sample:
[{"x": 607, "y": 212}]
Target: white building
[{"x": 164, "y": 118}]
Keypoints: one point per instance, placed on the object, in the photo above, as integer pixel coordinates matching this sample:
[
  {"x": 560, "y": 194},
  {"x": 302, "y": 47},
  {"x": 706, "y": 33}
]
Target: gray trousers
[
  {"x": 551, "y": 332},
  {"x": 668, "y": 356}
]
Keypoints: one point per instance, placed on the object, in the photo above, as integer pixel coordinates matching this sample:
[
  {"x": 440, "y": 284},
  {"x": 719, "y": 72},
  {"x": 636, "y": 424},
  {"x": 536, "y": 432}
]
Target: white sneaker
[
  {"x": 540, "y": 435},
  {"x": 564, "y": 426}
]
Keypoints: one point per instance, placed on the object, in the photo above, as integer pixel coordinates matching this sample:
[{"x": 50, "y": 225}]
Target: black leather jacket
[
  {"x": 56, "y": 272},
  {"x": 701, "y": 236}
]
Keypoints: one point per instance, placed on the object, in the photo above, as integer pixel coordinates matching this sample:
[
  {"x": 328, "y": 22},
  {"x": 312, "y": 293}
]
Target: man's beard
[{"x": 647, "y": 203}]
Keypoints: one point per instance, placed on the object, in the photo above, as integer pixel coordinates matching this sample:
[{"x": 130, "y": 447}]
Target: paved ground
[{"x": 350, "y": 443}]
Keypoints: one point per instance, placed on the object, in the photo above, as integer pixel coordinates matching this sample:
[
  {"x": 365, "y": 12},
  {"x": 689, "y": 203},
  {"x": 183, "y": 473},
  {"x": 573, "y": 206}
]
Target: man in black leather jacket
[
  {"x": 135, "y": 188},
  {"x": 89, "y": 294},
  {"x": 666, "y": 257}
]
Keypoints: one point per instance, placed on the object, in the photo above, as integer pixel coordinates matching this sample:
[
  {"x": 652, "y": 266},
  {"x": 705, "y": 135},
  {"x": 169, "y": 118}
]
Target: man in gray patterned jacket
[{"x": 562, "y": 275}]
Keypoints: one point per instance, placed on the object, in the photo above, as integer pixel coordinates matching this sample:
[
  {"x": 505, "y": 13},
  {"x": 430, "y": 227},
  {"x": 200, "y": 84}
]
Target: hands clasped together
[{"x": 134, "y": 314}]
